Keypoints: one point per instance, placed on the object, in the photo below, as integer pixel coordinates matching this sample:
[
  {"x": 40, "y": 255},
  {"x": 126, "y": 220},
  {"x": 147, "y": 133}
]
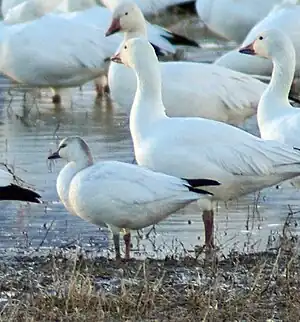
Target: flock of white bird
[{"x": 181, "y": 113}]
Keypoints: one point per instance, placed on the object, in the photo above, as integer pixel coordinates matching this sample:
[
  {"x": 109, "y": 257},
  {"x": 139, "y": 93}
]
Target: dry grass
[{"x": 66, "y": 288}]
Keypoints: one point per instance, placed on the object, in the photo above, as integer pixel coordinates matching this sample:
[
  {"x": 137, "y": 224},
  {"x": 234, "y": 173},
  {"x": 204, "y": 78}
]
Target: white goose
[
  {"x": 63, "y": 61},
  {"x": 119, "y": 194},
  {"x": 148, "y": 7},
  {"x": 27, "y": 10},
  {"x": 197, "y": 147},
  {"x": 277, "y": 119},
  {"x": 285, "y": 17},
  {"x": 188, "y": 89},
  {"x": 164, "y": 40},
  {"x": 11, "y": 191},
  {"x": 233, "y": 19},
  {"x": 59, "y": 60}
]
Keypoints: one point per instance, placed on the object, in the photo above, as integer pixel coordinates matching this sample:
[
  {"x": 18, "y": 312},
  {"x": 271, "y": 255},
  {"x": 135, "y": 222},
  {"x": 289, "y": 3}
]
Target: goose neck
[
  {"x": 148, "y": 106},
  {"x": 282, "y": 76},
  {"x": 275, "y": 98},
  {"x": 135, "y": 33}
]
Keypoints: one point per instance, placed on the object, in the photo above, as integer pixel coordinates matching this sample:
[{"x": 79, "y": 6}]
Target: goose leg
[
  {"x": 127, "y": 240},
  {"x": 56, "y": 99},
  {"x": 208, "y": 219},
  {"x": 116, "y": 238},
  {"x": 101, "y": 85}
]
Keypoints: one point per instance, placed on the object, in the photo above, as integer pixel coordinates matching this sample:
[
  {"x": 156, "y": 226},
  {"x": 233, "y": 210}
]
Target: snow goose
[
  {"x": 233, "y": 19},
  {"x": 189, "y": 89},
  {"x": 148, "y": 7},
  {"x": 11, "y": 191},
  {"x": 163, "y": 39},
  {"x": 59, "y": 60},
  {"x": 198, "y": 147},
  {"x": 121, "y": 195},
  {"x": 64, "y": 61},
  {"x": 286, "y": 17},
  {"x": 29, "y": 10},
  {"x": 277, "y": 119},
  {"x": 33, "y": 9}
]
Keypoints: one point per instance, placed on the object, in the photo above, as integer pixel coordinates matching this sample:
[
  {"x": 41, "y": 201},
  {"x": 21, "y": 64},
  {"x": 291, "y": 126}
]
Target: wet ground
[
  {"x": 31, "y": 128},
  {"x": 75, "y": 287}
]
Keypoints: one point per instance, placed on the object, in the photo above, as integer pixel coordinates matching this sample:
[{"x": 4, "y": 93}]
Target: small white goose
[
  {"x": 188, "y": 89},
  {"x": 197, "y": 147},
  {"x": 119, "y": 194},
  {"x": 9, "y": 190},
  {"x": 277, "y": 119}
]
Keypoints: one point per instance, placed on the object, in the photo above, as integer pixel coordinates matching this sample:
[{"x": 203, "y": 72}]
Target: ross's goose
[
  {"x": 233, "y": 19},
  {"x": 197, "y": 147},
  {"x": 188, "y": 89},
  {"x": 148, "y": 7},
  {"x": 11, "y": 191},
  {"x": 59, "y": 60},
  {"x": 277, "y": 119},
  {"x": 121, "y": 195},
  {"x": 286, "y": 17}
]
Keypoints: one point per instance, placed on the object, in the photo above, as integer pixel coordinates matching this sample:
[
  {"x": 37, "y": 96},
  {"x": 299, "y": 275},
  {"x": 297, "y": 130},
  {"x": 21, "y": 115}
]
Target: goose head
[
  {"x": 127, "y": 17},
  {"x": 73, "y": 149},
  {"x": 268, "y": 44},
  {"x": 135, "y": 52}
]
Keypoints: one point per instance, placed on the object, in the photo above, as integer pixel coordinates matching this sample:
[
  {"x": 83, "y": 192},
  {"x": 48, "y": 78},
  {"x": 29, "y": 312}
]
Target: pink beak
[
  {"x": 114, "y": 27},
  {"x": 116, "y": 58},
  {"x": 248, "y": 50}
]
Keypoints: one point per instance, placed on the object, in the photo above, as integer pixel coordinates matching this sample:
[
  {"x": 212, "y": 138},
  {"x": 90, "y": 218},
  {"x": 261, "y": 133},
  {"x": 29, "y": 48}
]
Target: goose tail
[
  {"x": 175, "y": 39},
  {"x": 194, "y": 184}
]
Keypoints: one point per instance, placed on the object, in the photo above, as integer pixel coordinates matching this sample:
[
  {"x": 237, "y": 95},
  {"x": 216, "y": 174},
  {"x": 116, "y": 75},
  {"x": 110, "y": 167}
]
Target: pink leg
[
  {"x": 56, "y": 99},
  {"x": 208, "y": 219},
  {"x": 127, "y": 239},
  {"x": 101, "y": 89}
]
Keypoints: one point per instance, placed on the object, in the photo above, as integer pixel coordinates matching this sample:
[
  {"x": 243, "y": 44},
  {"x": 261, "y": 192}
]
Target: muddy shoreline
[{"x": 73, "y": 286}]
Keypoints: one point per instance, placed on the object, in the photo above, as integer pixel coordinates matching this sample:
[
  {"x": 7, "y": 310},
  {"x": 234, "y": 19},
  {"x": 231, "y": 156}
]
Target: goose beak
[
  {"x": 248, "y": 50},
  {"x": 114, "y": 27},
  {"x": 54, "y": 155},
  {"x": 116, "y": 58}
]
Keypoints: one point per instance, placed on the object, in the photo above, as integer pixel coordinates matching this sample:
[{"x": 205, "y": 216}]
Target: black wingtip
[
  {"x": 158, "y": 51},
  {"x": 193, "y": 185},
  {"x": 201, "y": 182},
  {"x": 14, "y": 192},
  {"x": 179, "y": 40}
]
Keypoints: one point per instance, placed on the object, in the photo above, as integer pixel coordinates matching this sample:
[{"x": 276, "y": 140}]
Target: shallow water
[{"x": 30, "y": 129}]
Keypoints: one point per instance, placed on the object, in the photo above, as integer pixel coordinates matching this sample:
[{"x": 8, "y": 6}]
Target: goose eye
[
  {"x": 126, "y": 13},
  {"x": 125, "y": 47},
  {"x": 261, "y": 38}
]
